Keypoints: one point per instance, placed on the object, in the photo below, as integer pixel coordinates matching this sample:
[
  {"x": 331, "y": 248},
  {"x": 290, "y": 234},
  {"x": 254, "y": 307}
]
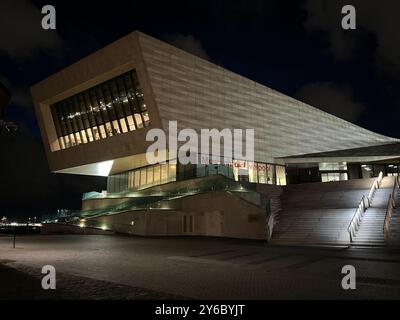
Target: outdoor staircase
[
  {"x": 318, "y": 213},
  {"x": 370, "y": 231}
]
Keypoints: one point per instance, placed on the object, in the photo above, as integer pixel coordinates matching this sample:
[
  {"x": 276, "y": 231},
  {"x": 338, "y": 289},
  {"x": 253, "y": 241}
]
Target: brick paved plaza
[{"x": 208, "y": 268}]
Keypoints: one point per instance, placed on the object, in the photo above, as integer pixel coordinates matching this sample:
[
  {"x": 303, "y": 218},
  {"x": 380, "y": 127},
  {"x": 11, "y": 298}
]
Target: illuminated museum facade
[{"x": 94, "y": 116}]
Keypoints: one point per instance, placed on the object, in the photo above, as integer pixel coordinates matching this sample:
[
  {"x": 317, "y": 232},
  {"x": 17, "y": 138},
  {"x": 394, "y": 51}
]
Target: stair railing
[
  {"x": 270, "y": 220},
  {"x": 358, "y": 215},
  {"x": 389, "y": 209},
  {"x": 363, "y": 205},
  {"x": 374, "y": 187}
]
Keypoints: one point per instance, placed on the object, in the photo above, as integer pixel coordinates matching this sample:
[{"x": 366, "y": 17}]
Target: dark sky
[{"x": 294, "y": 46}]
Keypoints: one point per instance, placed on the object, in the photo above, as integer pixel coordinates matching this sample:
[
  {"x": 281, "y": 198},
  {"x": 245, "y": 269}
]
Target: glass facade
[
  {"x": 280, "y": 176},
  {"x": 333, "y": 176},
  {"x": 253, "y": 172},
  {"x": 392, "y": 170},
  {"x": 333, "y": 171},
  {"x": 142, "y": 178},
  {"x": 145, "y": 177},
  {"x": 332, "y": 166},
  {"x": 113, "y": 107}
]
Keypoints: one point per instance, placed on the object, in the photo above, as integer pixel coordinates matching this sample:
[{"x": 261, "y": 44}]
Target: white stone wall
[{"x": 199, "y": 94}]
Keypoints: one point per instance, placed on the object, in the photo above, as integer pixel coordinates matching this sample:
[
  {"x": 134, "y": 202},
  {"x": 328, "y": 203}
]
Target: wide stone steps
[
  {"x": 320, "y": 213},
  {"x": 370, "y": 231}
]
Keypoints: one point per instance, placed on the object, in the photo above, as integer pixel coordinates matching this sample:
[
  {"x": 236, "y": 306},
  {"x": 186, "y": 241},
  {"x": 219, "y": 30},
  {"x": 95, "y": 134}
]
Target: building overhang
[
  {"x": 379, "y": 153},
  {"x": 112, "y": 166}
]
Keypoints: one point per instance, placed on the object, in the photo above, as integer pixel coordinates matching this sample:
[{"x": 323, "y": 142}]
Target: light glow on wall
[{"x": 104, "y": 168}]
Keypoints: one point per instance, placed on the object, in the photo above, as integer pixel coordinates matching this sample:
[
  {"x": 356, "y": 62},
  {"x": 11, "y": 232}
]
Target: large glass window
[
  {"x": 253, "y": 172},
  {"x": 171, "y": 172},
  {"x": 270, "y": 174},
  {"x": 142, "y": 178},
  {"x": 333, "y": 176},
  {"x": 332, "y": 166},
  {"x": 333, "y": 171},
  {"x": 113, "y": 107},
  {"x": 280, "y": 176},
  {"x": 262, "y": 173}
]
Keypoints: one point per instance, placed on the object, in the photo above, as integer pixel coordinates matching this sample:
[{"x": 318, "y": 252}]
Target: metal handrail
[
  {"x": 356, "y": 220},
  {"x": 362, "y": 207},
  {"x": 270, "y": 225},
  {"x": 374, "y": 187},
  {"x": 389, "y": 209}
]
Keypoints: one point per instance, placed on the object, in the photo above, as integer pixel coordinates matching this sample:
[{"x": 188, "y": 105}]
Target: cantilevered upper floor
[{"x": 94, "y": 114}]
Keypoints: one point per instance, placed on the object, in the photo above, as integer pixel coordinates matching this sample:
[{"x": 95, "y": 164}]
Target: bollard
[{"x": 14, "y": 241}]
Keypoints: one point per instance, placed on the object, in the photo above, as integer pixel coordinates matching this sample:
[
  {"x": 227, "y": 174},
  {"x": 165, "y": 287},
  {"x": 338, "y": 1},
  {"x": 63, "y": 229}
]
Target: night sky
[{"x": 295, "y": 47}]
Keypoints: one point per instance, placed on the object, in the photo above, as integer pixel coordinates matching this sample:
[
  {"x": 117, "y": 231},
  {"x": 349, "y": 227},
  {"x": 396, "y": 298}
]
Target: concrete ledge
[{"x": 59, "y": 228}]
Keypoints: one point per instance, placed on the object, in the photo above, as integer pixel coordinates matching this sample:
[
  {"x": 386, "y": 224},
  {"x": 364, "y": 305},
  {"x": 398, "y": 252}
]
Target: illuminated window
[
  {"x": 262, "y": 173},
  {"x": 124, "y": 127},
  {"x": 157, "y": 173},
  {"x": 252, "y": 172},
  {"x": 89, "y": 135},
  {"x": 72, "y": 139},
  {"x": 102, "y": 132},
  {"x": 96, "y": 134},
  {"x": 113, "y": 107},
  {"x": 138, "y": 119},
  {"x": 280, "y": 176},
  {"x": 270, "y": 174},
  {"x": 131, "y": 123},
  {"x": 137, "y": 179},
  {"x": 149, "y": 175},
  {"x": 109, "y": 129},
  {"x": 78, "y": 138},
  {"x": 164, "y": 173},
  {"x": 240, "y": 168},
  {"x": 67, "y": 142},
  {"x": 172, "y": 173},
  {"x": 84, "y": 138},
  {"x": 332, "y": 166},
  {"x": 143, "y": 180},
  {"x": 62, "y": 144},
  {"x": 333, "y": 176}
]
